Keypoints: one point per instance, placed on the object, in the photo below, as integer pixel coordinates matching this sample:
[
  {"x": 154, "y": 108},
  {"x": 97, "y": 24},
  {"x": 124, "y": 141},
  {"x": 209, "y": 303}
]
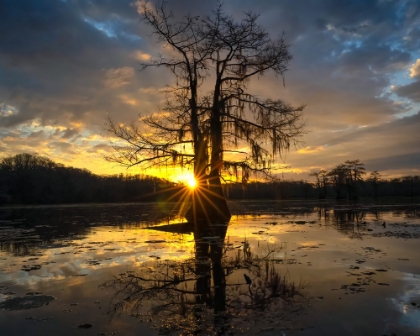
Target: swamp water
[{"x": 278, "y": 268}]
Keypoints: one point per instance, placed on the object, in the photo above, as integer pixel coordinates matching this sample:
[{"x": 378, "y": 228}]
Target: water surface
[{"x": 345, "y": 269}]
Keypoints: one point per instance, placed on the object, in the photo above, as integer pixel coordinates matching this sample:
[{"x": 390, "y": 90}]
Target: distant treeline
[
  {"x": 347, "y": 180},
  {"x": 407, "y": 186},
  {"x": 32, "y": 179}
]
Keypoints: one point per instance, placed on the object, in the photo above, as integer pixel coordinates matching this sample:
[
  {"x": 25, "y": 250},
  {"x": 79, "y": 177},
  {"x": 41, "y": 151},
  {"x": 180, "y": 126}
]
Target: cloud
[
  {"x": 54, "y": 62},
  {"x": 310, "y": 150},
  {"x": 373, "y": 59},
  {"x": 374, "y": 144},
  {"x": 62, "y": 146},
  {"x": 410, "y": 91},
  {"x": 37, "y": 134},
  {"x": 141, "y": 5},
  {"x": 415, "y": 69},
  {"x": 117, "y": 77},
  {"x": 101, "y": 148},
  {"x": 407, "y": 162},
  {"x": 141, "y": 56},
  {"x": 66, "y": 65},
  {"x": 69, "y": 133}
]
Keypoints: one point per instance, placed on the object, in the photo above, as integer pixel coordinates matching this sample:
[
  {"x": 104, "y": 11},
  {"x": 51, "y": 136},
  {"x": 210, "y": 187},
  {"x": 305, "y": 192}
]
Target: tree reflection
[
  {"x": 348, "y": 221},
  {"x": 208, "y": 293}
]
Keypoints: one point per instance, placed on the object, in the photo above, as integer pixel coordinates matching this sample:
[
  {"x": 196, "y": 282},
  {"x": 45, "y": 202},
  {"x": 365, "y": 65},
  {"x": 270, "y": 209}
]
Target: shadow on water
[{"x": 214, "y": 292}]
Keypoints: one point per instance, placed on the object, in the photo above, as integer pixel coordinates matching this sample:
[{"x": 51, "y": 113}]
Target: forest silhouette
[{"x": 33, "y": 179}]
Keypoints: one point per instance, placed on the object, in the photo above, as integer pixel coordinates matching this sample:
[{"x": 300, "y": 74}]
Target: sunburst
[{"x": 188, "y": 179}]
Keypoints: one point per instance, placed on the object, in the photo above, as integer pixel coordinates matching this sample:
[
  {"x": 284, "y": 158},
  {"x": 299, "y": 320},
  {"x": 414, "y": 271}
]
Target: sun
[
  {"x": 192, "y": 182},
  {"x": 188, "y": 179}
]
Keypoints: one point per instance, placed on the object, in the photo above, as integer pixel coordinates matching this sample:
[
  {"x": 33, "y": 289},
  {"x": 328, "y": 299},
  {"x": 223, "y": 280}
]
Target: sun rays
[
  {"x": 188, "y": 179},
  {"x": 199, "y": 197},
  {"x": 191, "y": 182}
]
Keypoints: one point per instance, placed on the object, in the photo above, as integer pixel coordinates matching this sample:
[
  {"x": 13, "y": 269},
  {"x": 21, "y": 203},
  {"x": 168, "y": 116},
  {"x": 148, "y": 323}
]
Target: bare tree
[
  {"x": 347, "y": 175},
  {"x": 210, "y": 115},
  {"x": 321, "y": 182},
  {"x": 375, "y": 179},
  {"x": 338, "y": 178},
  {"x": 355, "y": 172}
]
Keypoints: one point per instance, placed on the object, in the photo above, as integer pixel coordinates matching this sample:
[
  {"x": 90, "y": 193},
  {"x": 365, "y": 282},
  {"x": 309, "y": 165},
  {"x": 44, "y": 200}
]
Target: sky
[{"x": 68, "y": 65}]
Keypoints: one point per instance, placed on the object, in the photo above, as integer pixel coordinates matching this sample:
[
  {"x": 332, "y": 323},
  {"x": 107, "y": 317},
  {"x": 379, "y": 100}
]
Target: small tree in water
[{"x": 211, "y": 121}]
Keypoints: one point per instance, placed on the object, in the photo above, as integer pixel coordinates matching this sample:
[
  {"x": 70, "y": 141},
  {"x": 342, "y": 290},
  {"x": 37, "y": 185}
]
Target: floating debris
[
  {"x": 371, "y": 249},
  {"x": 93, "y": 262},
  {"x": 368, "y": 273},
  {"x": 31, "y": 268},
  {"x": 85, "y": 326},
  {"x": 33, "y": 293}
]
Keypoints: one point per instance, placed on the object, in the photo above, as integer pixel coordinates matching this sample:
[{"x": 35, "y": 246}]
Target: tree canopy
[{"x": 212, "y": 121}]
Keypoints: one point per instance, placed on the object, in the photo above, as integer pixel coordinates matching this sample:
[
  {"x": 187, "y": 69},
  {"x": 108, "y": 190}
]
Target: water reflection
[
  {"x": 206, "y": 293},
  {"x": 189, "y": 278},
  {"x": 356, "y": 221},
  {"x": 26, "y": 231}
]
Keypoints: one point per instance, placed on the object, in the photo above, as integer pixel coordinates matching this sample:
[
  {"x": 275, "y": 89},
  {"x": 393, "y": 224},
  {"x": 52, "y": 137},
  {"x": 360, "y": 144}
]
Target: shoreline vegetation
[{"x": 27, "y": 179}]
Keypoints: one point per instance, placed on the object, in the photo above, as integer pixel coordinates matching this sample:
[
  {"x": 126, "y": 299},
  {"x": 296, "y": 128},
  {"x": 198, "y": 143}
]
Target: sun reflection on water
[{"x": 346, "y": 257}]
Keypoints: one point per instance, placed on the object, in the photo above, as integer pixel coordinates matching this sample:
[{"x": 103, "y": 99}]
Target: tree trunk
[{"x": 209, "y": 203}]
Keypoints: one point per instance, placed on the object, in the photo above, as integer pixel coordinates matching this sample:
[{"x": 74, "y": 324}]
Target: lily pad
[{"x": 26, "y": 302}]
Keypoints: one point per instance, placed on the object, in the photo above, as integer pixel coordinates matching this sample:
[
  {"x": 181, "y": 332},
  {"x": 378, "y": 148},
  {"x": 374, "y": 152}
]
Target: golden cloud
[
  {"x": 118, "y": 76},
  {"x": 129, "y": 100},
  {"x": 8, "y": 139},
  {"x": 140, "y": 56},
  {"x": 415, "y": 69},
  {"x": 141, "y": 5},
  {"x": 310, "y": 149}
]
